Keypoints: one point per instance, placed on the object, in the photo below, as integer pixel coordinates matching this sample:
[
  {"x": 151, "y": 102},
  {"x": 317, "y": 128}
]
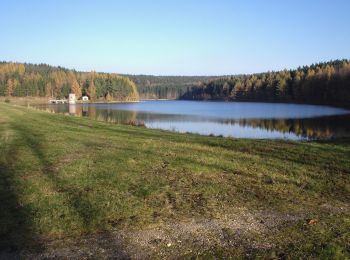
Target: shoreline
[
  {"x": 156, "y": 99},
  {"x": 44, "y": 100},
  {"x": 106, "y": 102}
]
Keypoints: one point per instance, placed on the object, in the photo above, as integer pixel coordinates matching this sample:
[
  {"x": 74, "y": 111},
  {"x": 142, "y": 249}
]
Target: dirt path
[{"x": 244, "y": 231}]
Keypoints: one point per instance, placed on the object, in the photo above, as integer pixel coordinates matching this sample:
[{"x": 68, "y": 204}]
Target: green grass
[{"x": 68, "y": 177}]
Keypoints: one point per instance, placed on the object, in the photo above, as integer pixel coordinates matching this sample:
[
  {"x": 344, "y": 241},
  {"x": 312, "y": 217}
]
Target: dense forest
[
  {"x": 323, "y": 83},
  {"x": 19, "y": 80},
  {"x": 166, "y": 87}
]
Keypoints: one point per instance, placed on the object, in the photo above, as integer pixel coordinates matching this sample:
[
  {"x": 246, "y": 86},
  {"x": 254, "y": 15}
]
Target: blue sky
[{"x": 175, "y": 37}]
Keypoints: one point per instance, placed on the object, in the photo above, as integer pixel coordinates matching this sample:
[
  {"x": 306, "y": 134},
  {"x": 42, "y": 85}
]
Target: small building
[
  {"x": 85, "y": 98},
  {"x": 72, "y": 99}
]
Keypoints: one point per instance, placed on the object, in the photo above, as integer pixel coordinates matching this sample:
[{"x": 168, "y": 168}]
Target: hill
[
  {"x": 323, "y": 83},
  {"x": 22, "y": 79},
  {"x": 166, "y": 87}
]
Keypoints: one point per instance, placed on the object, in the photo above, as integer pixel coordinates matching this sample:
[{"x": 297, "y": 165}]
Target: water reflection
[{"x": 286, "y": 128}]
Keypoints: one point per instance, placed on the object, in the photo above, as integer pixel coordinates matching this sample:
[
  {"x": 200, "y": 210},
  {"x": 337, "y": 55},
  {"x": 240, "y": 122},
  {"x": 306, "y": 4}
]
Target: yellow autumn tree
[
  {"x": 91, "y": 91},
  {"x": 108, "y": 97},
  {"x": 21, "y": 69},
  {"x": 10, "y": 86},
  {"x": 76, "y": 89}
]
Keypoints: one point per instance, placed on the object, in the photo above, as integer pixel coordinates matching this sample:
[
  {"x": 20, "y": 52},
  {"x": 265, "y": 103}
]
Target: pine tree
[{"x": 48, "y": 90}]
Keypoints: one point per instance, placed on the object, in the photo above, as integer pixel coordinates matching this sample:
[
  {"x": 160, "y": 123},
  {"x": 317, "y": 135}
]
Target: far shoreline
[{"x": 45, "y": 100}]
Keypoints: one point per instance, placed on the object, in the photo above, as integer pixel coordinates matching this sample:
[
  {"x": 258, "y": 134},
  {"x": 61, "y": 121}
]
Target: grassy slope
[{"x": 65, "y": 177}]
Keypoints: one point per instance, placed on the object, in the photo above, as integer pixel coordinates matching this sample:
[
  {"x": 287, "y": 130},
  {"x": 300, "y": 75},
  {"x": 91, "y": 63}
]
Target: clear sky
[{"x": 179, "y": 37}]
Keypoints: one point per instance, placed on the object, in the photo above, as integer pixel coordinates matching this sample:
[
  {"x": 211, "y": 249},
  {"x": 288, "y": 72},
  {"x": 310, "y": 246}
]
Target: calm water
[{"x": 235, "y": 119}]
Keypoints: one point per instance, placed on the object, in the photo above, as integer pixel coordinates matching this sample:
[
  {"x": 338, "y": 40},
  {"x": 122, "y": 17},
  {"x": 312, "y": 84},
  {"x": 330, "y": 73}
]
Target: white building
[
  {"x": 72, "y": 99},
  {"x": 85, "y": 98}
]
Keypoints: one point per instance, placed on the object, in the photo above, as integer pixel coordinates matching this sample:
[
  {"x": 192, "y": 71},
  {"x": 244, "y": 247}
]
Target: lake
[{"x": 229, "y": 119}]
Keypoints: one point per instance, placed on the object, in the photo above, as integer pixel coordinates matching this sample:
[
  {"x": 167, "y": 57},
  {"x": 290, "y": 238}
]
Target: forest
[
  {"x": 325, "y": 83},
  {"x": 166, "y": 87},
  {"x": 22, "y": 79}
]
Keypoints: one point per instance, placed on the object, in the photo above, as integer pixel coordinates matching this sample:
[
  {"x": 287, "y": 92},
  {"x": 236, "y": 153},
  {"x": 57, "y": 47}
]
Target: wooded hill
[
  {"x": 323, "y": 83},
  {"x": 22, "y": 79},
  {"x": 166, "y": 87}
]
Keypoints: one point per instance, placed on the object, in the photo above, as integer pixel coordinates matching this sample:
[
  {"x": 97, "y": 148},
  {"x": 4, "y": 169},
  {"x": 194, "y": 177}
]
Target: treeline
[
  {"x": 166, "y": 87},
  {"x": 19, "y": 80},
  {"x": 323, "y": 83}
]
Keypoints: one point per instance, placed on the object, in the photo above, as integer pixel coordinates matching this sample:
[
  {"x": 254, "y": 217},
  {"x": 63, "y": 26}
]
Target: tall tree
[
  {"x": 108, "y": 97},
  {"x": 48, "y": 89},
  {"x": 10, "y": 85},
  {"x": 91, "y": 91},
  {"x": 76, "y": 89}
]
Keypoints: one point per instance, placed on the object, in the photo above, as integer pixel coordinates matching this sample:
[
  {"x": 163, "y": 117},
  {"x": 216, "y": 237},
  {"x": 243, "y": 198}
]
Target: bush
[{"x": 7, "y": 100}]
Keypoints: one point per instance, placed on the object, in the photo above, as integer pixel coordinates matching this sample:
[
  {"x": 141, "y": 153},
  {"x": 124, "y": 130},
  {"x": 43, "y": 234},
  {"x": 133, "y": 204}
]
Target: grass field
[{"x": 70, "y": 183}]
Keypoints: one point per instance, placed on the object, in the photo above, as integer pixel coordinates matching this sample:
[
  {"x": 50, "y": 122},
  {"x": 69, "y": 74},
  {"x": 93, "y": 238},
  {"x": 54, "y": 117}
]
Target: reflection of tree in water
[
  {"x": 314, "y": 128},
  {"x": 116, "y": 116},
  {"x": 92, "y": 112},
  {"x": 79, "y": 111}
]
